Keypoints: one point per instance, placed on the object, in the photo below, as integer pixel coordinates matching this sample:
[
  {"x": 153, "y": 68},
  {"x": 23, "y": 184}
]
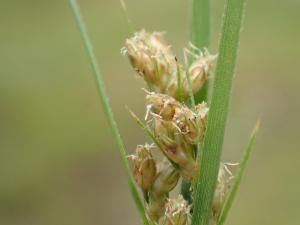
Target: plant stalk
[{"x": 213, "y": 142}]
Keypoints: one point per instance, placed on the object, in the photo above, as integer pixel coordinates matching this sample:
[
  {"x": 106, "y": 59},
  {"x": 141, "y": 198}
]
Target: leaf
[
  {"x": 106, "y": 107},
  {"x": 213, "y": 142},
  {"x": 236, "y": 183},
  {"x": 200, "y": 32}
]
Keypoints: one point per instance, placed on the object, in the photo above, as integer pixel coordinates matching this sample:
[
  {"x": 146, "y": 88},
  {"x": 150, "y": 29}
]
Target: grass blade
[
  {"x": 213, "y": 142},
  {"x": 228, "y": 203},
  {"x": 106, "y": 107},
  {"x": 200, "y": 32}
]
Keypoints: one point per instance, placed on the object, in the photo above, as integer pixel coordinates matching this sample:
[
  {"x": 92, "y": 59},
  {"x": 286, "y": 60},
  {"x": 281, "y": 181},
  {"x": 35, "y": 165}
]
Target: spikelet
[
  {"x": 151, "y": 58},
  {"x": 199, "y": 70},
  {"x": 156, "y": 207},
  {"x": 177, "y": 212},
  {"x": 175, "y": 148},
  {"x": 191, "y": 124},
  {"x": 166, "y": 179},
  {"x": 144, "y": 167},
  {"x": 162, "y": 105}
]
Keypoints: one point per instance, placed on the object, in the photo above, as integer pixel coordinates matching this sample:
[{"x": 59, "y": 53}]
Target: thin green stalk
[
  {"x": 228, "y": 203},
  {"x": 200, "y": 33},
  {"x": 200, "y": 29},
  {"x": 106, "y": 107},
  {"x": 190, "y": 86},
  {"x": 185, "y": 184},
  {"x": 213, "y": 142},
  {"x": 179, "y": 82},
  {"x": 202, "y": 94}
]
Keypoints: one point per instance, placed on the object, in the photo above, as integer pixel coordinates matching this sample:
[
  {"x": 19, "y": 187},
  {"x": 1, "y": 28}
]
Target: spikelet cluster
[
  {"x": 153, "y": 60},
  {"x": 176, "y": 128}
]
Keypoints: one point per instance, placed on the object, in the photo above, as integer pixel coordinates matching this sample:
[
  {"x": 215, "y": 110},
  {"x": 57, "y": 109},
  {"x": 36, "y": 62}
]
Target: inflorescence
[{"x": 178, "y": 127}]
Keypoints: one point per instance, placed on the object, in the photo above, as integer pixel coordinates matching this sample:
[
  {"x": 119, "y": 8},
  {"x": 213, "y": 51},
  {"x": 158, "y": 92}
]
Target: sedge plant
[{"x": 183, "y": 125}]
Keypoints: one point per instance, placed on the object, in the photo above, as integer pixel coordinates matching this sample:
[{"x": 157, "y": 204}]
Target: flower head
[
  {"x": 152, "y": 58},
  {"x": 198, "y": 70}
]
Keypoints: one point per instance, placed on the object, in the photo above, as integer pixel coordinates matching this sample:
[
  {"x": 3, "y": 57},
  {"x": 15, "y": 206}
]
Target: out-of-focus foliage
[{"x": 58, "y": 164}]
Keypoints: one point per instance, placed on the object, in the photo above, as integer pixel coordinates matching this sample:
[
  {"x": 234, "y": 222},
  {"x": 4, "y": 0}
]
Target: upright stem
[
  {"x": 200, "y": 33},
  {"x": 200, "y": 28},
  {"x": 213, "y": 142}
]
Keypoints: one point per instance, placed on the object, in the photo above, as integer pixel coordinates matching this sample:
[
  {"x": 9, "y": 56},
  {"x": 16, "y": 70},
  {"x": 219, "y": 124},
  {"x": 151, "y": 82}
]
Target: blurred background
[{"x": 58, "y": 162}]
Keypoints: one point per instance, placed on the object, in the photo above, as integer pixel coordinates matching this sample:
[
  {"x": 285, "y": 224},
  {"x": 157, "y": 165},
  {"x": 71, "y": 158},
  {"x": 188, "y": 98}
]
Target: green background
[{"x": 58, "y": 162}]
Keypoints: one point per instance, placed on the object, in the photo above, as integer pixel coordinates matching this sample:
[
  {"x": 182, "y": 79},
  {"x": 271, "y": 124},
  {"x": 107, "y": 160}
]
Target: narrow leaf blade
[
  {"x": 228, "y": 203},
  {"x": 106, "y": 107},
  {"x": 213, "y": 142}
]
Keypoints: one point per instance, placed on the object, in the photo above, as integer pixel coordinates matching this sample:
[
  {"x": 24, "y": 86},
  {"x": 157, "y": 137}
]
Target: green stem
[
  {"x": 190, "y": 86},
  {"x": 106, "y": 107},
  {"x": 200, "y": 30},
  {"x": 200, "y": 35},
  {"x": 213, "y": 142}
]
